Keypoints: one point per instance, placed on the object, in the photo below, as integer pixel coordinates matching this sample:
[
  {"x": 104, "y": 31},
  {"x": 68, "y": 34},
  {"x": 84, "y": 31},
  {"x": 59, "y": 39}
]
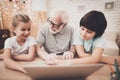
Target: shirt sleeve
[
  {"x": 32, "y": 41},
  {"x": 71, "y": 40},
  {"x": 77, "y": 39},
  {"x": 41, "y": 36},
  {"x": 100, "y": 42},
  {"x": 8, "y": 43}
]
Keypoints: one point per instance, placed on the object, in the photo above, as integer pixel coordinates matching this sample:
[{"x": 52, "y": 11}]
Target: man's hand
[
  {"x": 68, "y": 55},
  {"x": 50, "y": 57}
]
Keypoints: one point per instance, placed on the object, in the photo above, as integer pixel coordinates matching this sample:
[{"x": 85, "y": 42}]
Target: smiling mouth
[{"x": 25, "y": 35}]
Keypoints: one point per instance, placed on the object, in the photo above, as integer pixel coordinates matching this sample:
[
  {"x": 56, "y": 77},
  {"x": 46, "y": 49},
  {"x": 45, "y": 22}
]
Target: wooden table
[{"x": 7, "y": 74}]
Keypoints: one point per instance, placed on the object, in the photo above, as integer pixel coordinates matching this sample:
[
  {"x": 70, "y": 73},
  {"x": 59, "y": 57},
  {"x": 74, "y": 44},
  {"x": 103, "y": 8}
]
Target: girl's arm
[
  {"x": 26, "y": 57},
  {"x": 10, "y": 63}
]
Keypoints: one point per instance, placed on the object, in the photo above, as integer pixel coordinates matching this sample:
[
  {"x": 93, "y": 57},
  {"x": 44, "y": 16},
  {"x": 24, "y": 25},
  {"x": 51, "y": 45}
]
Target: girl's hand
[{"x": 22, "y": 70}]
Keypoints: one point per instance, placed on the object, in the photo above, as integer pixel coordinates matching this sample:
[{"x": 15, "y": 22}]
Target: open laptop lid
[{"x": 40, "y": 70}]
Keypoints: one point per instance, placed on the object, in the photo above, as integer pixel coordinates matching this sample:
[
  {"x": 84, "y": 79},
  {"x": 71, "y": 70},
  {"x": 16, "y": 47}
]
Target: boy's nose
[{"x": 84, "y": 33}]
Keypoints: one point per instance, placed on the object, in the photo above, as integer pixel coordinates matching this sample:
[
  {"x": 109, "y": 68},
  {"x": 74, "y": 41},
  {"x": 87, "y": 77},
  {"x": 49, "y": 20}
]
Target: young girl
[
  {"x": 21, "y": 46},
  {"x": 88, "y": 42}
]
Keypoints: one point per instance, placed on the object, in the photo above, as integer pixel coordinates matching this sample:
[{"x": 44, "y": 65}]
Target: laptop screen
[{"x": 40, "y": 70}]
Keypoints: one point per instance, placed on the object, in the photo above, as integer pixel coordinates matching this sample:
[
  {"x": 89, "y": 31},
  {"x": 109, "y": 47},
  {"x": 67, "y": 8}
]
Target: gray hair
[{"x": 61, "y": 13}]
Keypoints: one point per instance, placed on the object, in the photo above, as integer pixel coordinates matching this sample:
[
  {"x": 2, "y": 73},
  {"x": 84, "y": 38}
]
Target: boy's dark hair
[{"x": 94, "y": 21}]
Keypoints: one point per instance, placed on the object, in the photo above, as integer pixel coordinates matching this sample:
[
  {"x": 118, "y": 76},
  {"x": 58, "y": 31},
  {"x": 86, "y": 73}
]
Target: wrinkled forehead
[
  {"x": 56, "y": 19},
  {"x": 56, "y": 15}
]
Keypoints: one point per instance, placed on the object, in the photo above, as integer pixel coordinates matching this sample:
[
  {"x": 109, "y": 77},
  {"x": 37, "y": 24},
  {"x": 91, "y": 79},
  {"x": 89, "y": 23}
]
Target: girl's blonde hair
[{"x": 20, "y": 18}]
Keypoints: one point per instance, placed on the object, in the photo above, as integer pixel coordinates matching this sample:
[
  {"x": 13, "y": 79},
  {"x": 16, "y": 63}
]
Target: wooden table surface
[{"x": 7, "y": 74}]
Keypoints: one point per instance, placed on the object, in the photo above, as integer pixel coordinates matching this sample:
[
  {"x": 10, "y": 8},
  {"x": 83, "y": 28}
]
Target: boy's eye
[
  {"x": 89, "y": 32},
  {"x": 82, "y": 28}
]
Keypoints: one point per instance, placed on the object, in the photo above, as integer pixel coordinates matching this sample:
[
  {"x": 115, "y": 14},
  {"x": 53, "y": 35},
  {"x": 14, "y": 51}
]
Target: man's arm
[
  {"x": 69, "y": 54},
  {"x": 41, "y": 52}
]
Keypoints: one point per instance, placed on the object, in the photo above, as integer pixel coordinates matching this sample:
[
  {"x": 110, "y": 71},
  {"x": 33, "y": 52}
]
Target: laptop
[{"x": 42, "y": 71}]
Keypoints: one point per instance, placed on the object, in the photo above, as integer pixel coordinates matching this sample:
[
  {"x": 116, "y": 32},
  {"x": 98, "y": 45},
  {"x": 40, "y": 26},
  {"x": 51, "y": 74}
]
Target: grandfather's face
[{"x": 55, "y": 25}]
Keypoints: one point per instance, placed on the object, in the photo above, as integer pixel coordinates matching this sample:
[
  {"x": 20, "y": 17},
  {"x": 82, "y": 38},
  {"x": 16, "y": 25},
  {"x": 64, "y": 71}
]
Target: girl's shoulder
[
  {"x": 30, "y": 38},
  {"x": 31, "y": 41},
  {"x": 11, "y": 39}
]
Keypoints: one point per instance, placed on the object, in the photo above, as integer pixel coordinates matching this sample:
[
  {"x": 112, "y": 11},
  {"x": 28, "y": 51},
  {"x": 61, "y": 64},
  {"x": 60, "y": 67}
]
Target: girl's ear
[{"x": 13, "y": 30}]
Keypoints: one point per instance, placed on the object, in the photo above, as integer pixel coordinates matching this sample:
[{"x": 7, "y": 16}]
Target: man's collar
[{"x": 63, "y": 30}]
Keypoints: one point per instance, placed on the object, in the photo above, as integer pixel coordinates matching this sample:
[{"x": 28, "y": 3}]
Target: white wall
[{"x": 77, "y": 8}]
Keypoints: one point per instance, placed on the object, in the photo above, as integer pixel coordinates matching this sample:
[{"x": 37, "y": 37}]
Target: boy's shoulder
[{"x": 100, "y": 39}]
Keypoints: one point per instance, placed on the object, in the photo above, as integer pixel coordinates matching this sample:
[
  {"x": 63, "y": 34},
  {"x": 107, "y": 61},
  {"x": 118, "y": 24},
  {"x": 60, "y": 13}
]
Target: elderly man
[{"x": 55, "y": 37}]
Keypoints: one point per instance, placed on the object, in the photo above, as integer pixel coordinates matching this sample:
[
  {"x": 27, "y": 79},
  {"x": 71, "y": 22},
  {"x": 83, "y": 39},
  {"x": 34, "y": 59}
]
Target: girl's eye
[
  {"x": 29, "y": 29},
  {"x": 26, "y": 29},
  {"x": 23, "y": 29}
]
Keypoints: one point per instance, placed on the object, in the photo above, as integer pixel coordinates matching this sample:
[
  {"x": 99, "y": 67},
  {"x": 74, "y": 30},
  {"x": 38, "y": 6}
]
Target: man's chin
[{"x": 53, "y": 32}]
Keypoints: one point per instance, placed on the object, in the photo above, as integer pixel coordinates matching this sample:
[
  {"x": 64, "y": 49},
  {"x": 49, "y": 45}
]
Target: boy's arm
[
  {"x": 80, "y": 51},
  {"x": 11, "y": 64},
  {"x": 94, "y": 58}
]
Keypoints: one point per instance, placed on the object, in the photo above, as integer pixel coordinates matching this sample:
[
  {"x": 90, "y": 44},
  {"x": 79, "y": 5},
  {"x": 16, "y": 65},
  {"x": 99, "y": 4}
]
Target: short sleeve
[
  {"x": 100, "y": 42},
  {"x": 41, "y": 36},
  {"x": 77, "y": 39},
  {"x": 8, "y": 43},
  {"x": 32, "y": 41},
  {"x": 72, "y": 33}
]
